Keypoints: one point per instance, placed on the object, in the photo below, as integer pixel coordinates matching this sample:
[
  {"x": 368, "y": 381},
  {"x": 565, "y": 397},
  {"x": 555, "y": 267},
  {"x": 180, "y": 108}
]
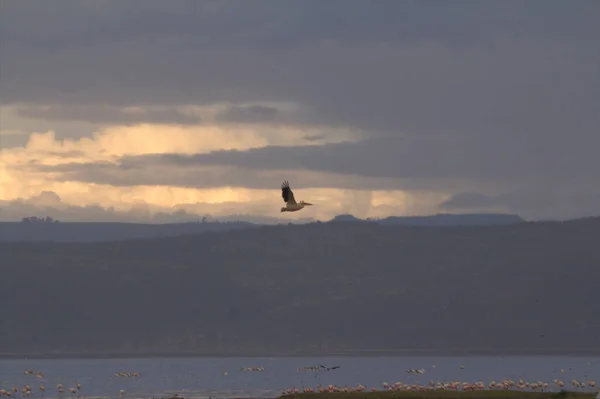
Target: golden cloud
[{"x": 18, "y": 181}]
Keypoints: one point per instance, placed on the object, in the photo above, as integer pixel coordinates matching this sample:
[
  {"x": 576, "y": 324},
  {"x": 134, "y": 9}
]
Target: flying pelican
[
  {"x": 329, "y": 367},
  {"x": 288, "y": 197}
]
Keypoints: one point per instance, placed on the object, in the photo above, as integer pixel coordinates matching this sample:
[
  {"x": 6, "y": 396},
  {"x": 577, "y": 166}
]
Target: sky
[{"x": 162, "y": 111}]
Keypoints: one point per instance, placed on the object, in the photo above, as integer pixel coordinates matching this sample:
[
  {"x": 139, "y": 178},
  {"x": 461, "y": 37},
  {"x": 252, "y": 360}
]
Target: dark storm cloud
[
  {"x": 425, "y": 161},
  {"x": 261, "y": 114},
  {"x": 472, "y": 200},
  {"x": 252, "y": 113},
  {"x": 152, "y": 172},
  {"x": 535, "y": 202},
  {"x": 413, "y": 67},
  {"x": 315, "y": 137},
  {"x": 505, "y": 93},
  {"x": 419, "y": 158},
  {"x": 272, "y": 22},
  {"x": 103, "y": 114}
]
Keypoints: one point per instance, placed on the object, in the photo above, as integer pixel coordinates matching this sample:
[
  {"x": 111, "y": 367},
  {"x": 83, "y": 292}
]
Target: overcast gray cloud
[
  {"x": 467, "y": 95},
  {"x": 460, "y": 67},
  {"x": 532, "y": 202},
  {"x": 534, "y": 183},
  {"x": 262, "y": 114},
  {"x": 149, "y": 171},
  {"x": 106, "y": 114},
  {"x": 267, "y": 23},
  {"x": 443, "y": 157}
]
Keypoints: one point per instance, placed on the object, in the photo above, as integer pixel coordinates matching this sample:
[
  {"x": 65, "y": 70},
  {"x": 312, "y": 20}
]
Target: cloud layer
[
  {"x": 93, "y": 172},
  {"x": 401, "y": 67},
  {"x": 421, "y": 103}
]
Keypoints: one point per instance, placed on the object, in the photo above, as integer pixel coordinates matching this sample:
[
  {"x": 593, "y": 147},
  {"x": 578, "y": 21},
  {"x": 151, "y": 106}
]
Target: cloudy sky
[{"x": 160, "y": 110}]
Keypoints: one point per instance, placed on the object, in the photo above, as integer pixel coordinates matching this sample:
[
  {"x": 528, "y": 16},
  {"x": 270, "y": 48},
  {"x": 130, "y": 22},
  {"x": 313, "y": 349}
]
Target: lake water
[{"x": 204, "y": 377}]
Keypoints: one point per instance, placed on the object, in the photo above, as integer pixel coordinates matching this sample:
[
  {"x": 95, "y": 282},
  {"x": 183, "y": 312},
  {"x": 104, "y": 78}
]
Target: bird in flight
[
  {"x": 290, "y": 202},
  {"x": 329, "y": 367}
]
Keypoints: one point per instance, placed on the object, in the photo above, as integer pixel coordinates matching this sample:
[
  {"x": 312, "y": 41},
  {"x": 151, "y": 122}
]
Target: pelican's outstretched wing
[
  {"x": 287, "y": 194},
  {"x": 329, "y": 367}
]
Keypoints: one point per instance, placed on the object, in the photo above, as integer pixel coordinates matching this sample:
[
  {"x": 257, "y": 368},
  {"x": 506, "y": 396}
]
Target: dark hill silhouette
[
  {"x": 315, "y": 288},
  {"x": 93, "y": 232},
  {"x": 440, "y": 220}
]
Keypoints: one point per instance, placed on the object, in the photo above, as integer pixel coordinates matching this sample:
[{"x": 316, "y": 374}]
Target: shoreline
[
  {"x": 571, "y": 352},
  {"x": 436, "y": 394}
]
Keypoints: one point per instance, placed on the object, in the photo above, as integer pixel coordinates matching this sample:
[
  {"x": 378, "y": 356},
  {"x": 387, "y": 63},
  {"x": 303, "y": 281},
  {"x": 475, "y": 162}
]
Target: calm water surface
[{"x": 203, "y": 377}]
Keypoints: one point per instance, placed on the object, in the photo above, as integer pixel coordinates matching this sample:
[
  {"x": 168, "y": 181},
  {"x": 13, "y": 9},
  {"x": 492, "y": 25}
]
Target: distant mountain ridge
[
  {"x": 311, "y": 289},
  {"x": 110, "y": 231},
  {"x": 441, "y": 219}
]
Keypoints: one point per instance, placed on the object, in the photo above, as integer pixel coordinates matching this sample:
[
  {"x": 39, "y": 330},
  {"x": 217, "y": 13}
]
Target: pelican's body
[{"x": 288, "y": 197}]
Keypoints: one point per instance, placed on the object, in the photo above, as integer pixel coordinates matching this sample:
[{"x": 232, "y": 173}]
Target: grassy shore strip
[{"x": 487, "y": 394}]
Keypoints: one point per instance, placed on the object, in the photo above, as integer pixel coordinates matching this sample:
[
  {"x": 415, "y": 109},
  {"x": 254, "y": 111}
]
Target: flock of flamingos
[
  {"x": 26, "y": 390},
  {"x": 504, "y": 384},
  {"x": 451, "y": 386}
]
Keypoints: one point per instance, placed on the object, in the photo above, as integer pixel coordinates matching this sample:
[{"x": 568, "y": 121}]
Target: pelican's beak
[{"x": 307, "y": 203}]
